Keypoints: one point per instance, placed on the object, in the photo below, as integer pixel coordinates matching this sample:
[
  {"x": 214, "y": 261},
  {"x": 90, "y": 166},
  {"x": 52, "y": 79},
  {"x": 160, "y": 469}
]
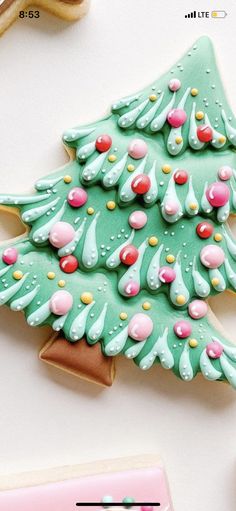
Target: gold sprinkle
[
  {"x": 67, "y": 179},
  {"x": 131, "y": 167},
  {"x": 123, "y": 316},
  {"x": 215, "y": 282},
  {"x": 193, "y": 206},
  {"x": 166, "y": 169},
  {"x": 180, "y": 299},
  {"x": 153, "y": 241},
  {"x": 193, "y": 343},
  {"x": 90, "y": 211},
  {"x": 194, "y": 92},
  {"x": 222, "y": 139},
  {"x": 86, "y": 297},
  {"x": 51, "y": 275},
  {"x": 112, "y": 158},
  {"x": 17, "y": 275},
  {"x": 111, "y": 205},
  {"x": 61, "y": 283},
  {"x": 199, "y": 115},
  {"x": 178, "y": 140},
  {"x": 153, "y": 97},
  {"x": 170, "y": 258},
  {"x": 218, "y": 236},
  {"x": 146, "y": 306}
]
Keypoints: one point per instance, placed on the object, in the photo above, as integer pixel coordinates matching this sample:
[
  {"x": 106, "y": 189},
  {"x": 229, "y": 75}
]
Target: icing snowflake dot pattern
[
  {"x": 204, "y": 133},
  {"x": 61, "y": 234},
  {"x": 10, "y": 255},
  {"x": 140, "y": 327},
  {"x": 137, "y": 149},
  {"x": 176, "y": 117},
  {"x": 182, "y": 329},
  {"x": 212, "y": 256},
  {"x": 218, "y": 194},
  {"x": 103, "y": 143},
  {"x": 69, "y": 264},
  {"x": 214, "y": 350},
  {"x": 141, "y": 184},
  {"x": 204, "y": 230},
  {"x": 77, "y": 197},
  {"x": 129, "y": 255},
  {"x": 61, "y": 302}
]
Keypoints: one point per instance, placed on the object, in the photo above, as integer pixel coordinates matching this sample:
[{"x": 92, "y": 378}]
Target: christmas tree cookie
[
  {"x": 137, "y": 484},
  {"x": 126, "y": 243},
  {"x": 68, "y": 10}
]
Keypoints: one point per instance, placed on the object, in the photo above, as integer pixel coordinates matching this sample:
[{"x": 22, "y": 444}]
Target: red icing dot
[
  {"x": 129, "y": 255},
  {"x": 181, "y": 177},
  {"x": 204, "y": 133},
  {"x": 103, "y": 143},
  {"x": 204, "y": 230},
  {"x": 69, "y": 264},
  {"x": 141, "y": 184}
]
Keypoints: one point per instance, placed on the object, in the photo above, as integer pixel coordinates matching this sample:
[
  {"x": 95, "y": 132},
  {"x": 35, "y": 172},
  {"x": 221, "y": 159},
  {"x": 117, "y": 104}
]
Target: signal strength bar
[{"x": 191, "y": 15}]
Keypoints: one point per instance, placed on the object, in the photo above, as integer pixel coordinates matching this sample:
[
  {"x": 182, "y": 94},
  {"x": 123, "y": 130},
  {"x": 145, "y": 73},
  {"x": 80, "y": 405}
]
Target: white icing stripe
[
  {"x": 71, "y": 247},
  {"x": 59, "y": 323},
  {"x": 161, "y": 350},
  {"x": 185, "y": 366},
  {"x": 113, "y": 175},
  {"x": 126, "y": 193},
  {"x": 191, "y": 203},
  {"x": 201, "y": 286},
  {"x": 133, "y": 273},
  {"x": 129, "y": 118},
  {"x": 47, "y": 183},
  {"x": 134, "y": 350},
  {"x": 85, "y": 151},
  {"x": 159, "y": 121},
  {"x": 230, "y": 130},
  {"x": 114, "y": 259},
  {"x": 178, "y": 286},
  {"x": 145, "y": 120},
  {"x": 153, "y": 280},
  {"x": 125, "y": 102},
  {"x": 33, "y": 214},
  {"x": 14, "y": 200},
  {"x": 152, "y": 194},
  {"x": 78, "y": 326},
  {"x": 193, "y": 140},
  {"x": 41, "y": 235},
  {"x": 117, "y": 344},
  {"x": 23, "y": 302},
  {"x": 169, "y": 198},
  {"x": 228, "y": 370},
  {"x": 97, "y": 328},
  {"x": 90, "y": 251},
  {"x": 91, "y": 171},
  {"x": 208, "y": 370},
  {"x": 40, "y": 315},
  {"x": 75, "y": 134},
  {"x": 5, "y": 270},
  {"x": 221, "y": 284},
  {"x": 7, "y": 294}
]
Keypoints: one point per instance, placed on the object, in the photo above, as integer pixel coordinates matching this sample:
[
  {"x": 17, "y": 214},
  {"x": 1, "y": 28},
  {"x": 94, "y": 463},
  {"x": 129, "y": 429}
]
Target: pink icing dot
[
  {"x": 197, "y": 309},
  {"x": 137, "y": 219},
  {"x": 10, "y": 255},
  {"x": 212, "y": 256},
  {"x": 176, "y": 117},
  {"x": 171, "y": 207},
  {"x": 137, "y": 148},
  {"x": 140, "y": 327},
  {"x": 146, "y": 508},
  {"x": 131, "y": 288},
  {"x": 218, "y": 194},
  {"x": 61, "y": 234},
  {"x": 166, "y": 274},
  {"x": 174, "y": 84},
  {"x": 225, "y": 173},
  {"x": 61, "y": 302},
  {"x": 182, "y": 329},
  {"x": 77, "y": 197},
  {"x": 214, "y": 349}
]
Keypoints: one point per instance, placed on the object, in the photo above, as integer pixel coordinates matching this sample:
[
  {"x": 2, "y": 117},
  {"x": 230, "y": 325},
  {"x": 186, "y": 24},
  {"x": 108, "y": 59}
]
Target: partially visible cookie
[
  {"x": 136, "y": 484},
  {"x": 66, "y": 9}
]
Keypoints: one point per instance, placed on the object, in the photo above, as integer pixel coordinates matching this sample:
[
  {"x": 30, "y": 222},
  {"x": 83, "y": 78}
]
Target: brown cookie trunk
[{"x": 80, "y": 359}]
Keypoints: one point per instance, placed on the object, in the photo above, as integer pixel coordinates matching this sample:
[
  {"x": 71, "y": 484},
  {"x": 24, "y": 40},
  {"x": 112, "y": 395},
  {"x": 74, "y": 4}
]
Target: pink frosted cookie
[{"x": 134, "y": 483}]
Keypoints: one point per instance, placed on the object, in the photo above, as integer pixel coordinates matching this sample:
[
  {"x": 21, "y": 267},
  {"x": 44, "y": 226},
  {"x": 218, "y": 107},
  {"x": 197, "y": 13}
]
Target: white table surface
[{"x": 54, "y": 75}]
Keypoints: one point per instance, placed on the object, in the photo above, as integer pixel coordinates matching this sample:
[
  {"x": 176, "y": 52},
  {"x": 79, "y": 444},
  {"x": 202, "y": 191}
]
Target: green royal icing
[{"x": 99, "y": 237}]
